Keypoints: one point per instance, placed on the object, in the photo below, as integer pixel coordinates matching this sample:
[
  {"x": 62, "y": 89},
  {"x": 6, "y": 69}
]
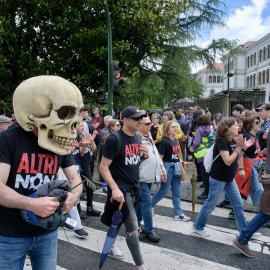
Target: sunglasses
[
  {"x": 136, "y": 118},
  {"x": 147, "y": 124},
  {"x": 258, "y": 122}
]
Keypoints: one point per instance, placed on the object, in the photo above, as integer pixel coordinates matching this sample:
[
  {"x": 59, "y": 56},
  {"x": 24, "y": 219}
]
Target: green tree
[{"x": 69, "y": 38}]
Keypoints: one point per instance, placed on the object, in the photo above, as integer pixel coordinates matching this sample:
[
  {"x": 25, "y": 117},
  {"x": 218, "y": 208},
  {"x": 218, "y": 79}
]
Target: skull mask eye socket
[{"x": 66, "y": 112}]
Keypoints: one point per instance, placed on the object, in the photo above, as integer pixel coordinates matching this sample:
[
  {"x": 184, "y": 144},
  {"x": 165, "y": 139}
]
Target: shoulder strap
[{"x": 119, "y": 142}]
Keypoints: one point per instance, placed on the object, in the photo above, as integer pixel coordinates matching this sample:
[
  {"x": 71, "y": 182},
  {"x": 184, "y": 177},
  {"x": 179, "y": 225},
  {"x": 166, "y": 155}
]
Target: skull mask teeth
[{"x": 51, "y": 104}]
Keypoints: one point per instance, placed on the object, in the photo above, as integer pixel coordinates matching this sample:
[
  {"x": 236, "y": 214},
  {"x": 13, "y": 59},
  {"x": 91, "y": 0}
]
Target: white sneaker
[
  {"x": 255, "y": 236},
  {"x": 153, "y": 212},
  {"x": 202, "y": 233},
  {"x": 116, "y": 253},
  {"x": 182, "y": 217}
]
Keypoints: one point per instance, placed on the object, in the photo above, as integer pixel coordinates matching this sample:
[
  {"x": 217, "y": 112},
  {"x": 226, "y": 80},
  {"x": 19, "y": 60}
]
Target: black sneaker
[
  {"x": 224, "y": 203},
  {"x": 142, "y": 228},
  {"x": 152, "y": 237},
  {"x": 93, "y": 213},
  {"x": 203, "y": 196},
  {"x": 68, "y": 227},
  {"x": 231, "y": 215},
  {"x": 81, "y": 233},
  {"x": 202, "y": 185}
]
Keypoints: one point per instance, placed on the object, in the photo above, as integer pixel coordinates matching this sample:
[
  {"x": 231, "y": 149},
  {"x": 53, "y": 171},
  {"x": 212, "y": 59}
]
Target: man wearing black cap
[
  {"x": 4, "y": 122},
  {"x": 121, "y": 172},
  {"x": 264, "y": 113}
]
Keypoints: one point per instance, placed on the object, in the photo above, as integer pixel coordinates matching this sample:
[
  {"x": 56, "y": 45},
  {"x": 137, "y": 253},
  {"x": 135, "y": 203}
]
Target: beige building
[{"x": 211, "y": 79}]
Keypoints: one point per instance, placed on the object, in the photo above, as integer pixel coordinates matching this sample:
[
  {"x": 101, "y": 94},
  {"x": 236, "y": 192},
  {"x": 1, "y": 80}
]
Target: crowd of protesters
[{"x": 171, "y": 140}]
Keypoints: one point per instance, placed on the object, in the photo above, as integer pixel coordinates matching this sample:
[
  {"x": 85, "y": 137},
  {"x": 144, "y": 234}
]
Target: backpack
[
  {"x": 208, "y": 159},
  {"x": 100, "y": 148}
]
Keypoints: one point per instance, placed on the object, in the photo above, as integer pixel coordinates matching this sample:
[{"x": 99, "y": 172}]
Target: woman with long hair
[
  {"x": 252, "y": 158},
  {"x": 169, "y": 151},
  {"x": 228, "y": 149}
]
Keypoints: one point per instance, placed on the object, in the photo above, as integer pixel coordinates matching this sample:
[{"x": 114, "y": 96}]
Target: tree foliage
[{"x": 68, "y": 38}]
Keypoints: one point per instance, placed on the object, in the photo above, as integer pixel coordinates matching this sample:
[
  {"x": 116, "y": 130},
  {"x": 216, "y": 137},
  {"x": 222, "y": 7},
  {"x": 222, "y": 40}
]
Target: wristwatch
[{"x": 78, "y": 198}]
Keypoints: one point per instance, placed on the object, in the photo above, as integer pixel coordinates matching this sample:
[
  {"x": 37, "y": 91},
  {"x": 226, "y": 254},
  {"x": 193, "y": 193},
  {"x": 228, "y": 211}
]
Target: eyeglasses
[
  {"x": 258, "y": 122},
  {"x": 147, "y": 124},
  {"x": 118, "y": 125},
  {"x": 173, "y": 126},
  {"x": 136, "y": 118}
]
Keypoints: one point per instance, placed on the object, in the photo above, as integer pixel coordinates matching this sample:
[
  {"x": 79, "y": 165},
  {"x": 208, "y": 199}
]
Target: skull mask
[{"x": 51, "y": 104}]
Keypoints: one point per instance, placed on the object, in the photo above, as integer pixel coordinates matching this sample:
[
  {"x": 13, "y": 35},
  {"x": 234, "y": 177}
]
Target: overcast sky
[{"x": 247, "y": 20}]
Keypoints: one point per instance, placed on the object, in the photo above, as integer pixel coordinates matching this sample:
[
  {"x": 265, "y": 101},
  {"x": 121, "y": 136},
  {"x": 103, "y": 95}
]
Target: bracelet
[
  {"x": 241, "y": 168},
  {"x": 237, "y": 152},
  {"x": 242, "y": 149},
  {"x": 183, "y": 163}
]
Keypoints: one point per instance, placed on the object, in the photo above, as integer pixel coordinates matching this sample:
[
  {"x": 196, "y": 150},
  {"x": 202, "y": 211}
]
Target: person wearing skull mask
[{"x": 31, "y": 152}]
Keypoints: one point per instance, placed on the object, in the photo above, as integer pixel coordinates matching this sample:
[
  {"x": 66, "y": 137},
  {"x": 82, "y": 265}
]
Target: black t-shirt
[
  {"x": 254, "y": 149},
  {"x": 31, "y": 166},
  {"x": 169, "y": 149},
  {"x": 76, "y": 153},
  {"x": 219, "y": 170},
  {"x": 124, "y": 167}
]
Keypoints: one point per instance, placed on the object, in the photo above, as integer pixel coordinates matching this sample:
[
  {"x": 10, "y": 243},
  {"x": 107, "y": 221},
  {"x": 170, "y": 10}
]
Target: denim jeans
[
  {"x": 216, "y": 189},
  {"x": 175, "y": 183},
  {"x": 42, "y": 251},
  {"x": 256, "y": 188},
  {"x": 253, "y": 226},
  {"x": 144, "y": 209}
]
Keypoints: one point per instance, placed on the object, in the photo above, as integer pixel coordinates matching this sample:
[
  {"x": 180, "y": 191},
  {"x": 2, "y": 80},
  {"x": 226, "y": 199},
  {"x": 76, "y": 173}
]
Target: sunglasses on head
[{"x": 258, "y": 122}]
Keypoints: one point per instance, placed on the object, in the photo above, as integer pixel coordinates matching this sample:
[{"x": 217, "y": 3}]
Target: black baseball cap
[{"x": 132, "y": 112}]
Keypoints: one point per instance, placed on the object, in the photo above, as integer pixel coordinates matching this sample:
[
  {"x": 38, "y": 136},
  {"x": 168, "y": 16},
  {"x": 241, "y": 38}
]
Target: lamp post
[{"x": 228, "y": 82}]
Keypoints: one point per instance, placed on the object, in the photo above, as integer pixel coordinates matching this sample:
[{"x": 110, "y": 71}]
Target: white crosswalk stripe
[{"x": 158, "y": 257}]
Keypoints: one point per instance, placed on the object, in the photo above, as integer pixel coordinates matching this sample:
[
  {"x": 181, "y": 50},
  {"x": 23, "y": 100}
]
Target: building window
[
  {"x": 210, "y": 79},
  {"x": 250, "y": 83},
  {"x": 254, "y": 58},
  {"x": 264, "y": 53},
  {"x": 260, "y": 78},
  {"x": 212, "y": 91},
  {"x": 263, "y": 77},
  {"x": 222, "y": 79},
  {"x": 260, "y": 56},
  {"x": 268, "y": 52},
  {"x": 267, "y": 76},
  {"x": 247, "y": 81},
  {"x": 251, "y": 60},
  {"x": 254, "y": 80},
  {"x": 214, "y": 79},
  {"x": 218, "y": 79},
  {"x": 248, "y": 61}
]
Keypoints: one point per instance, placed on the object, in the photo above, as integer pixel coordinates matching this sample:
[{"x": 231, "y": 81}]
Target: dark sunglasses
[
  {"x": 258, "y": 122},
  {"x": 147, "y": 124},
  {"x": 136, "y": 118}
]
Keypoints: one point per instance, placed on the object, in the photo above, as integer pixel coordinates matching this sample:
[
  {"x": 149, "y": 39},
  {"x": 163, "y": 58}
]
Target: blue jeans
[
  {"x": 256, "y": 188},
  {"x": 174, "y": 181},
  {"x": 253, "y": 226},
  {"x": 144, "y": 209},
  {"x": 42, "y": 251},
  {"x": 216, "y": 189}
]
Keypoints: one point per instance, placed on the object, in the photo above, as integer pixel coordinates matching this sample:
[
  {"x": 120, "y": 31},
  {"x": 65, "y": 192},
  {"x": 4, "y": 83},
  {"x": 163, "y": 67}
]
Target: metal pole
[
  {"x": 110, "y": 68},
  {"x": 228, "y": 78}
]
